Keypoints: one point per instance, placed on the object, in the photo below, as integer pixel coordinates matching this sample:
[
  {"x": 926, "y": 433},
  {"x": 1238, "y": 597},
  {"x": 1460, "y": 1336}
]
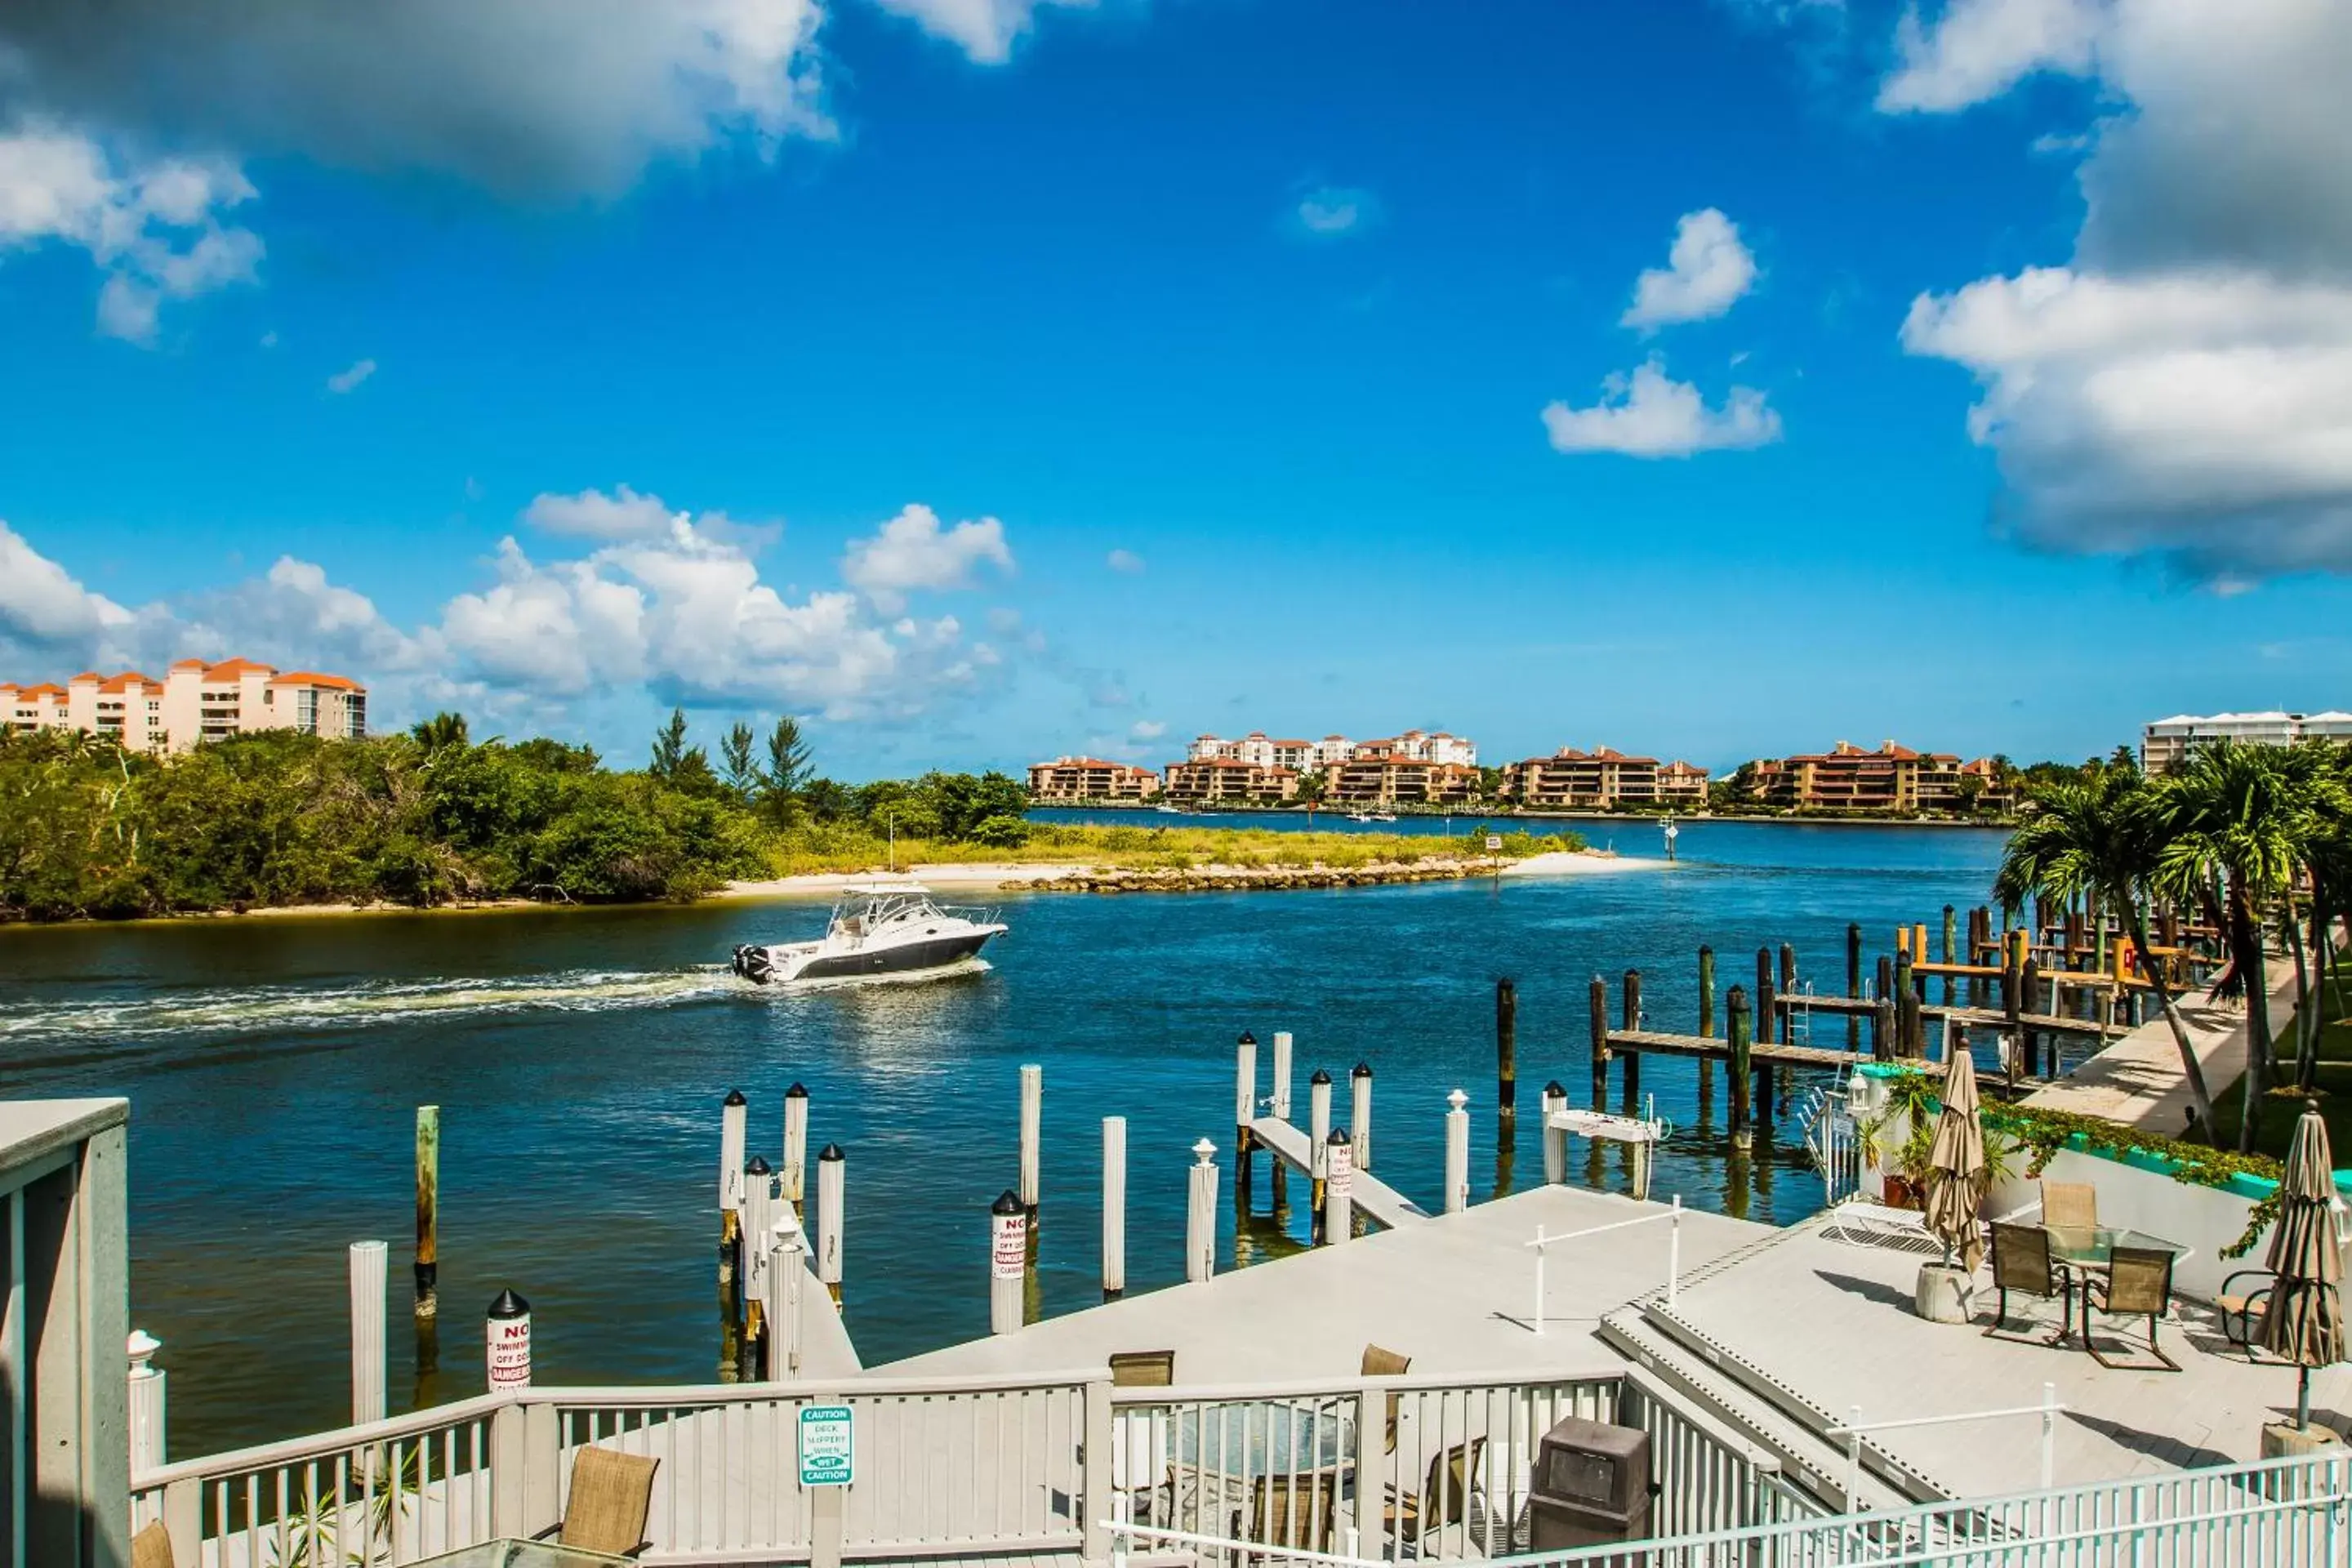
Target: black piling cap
[
  {"x": 1361, "y": 1069},
  {"x": 510, "y": 1305},
  {"x": 1007, "y": 1202},
  {"x": 1247, "y": 1038},
  {"x": 1320, "y": 1077},
  {"x": 796, "y": 1092},
  {"x": 1339, "y": 1135},
  {"x": 735, "y": 1096},
  {"x": 831, "y": 1151},
  {"x": 757, "y": 1166},
  {"x": 1554, "y": 1088}
]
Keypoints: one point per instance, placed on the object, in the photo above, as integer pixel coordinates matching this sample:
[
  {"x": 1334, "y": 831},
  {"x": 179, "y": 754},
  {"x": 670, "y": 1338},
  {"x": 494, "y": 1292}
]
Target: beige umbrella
[
  {"x": 1956, "y": 1165},
  {"x": 2304, "y": 1322}
]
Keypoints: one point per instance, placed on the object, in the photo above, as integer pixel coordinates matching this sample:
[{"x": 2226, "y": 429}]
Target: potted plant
[{"x": 1902, "y": 1163}]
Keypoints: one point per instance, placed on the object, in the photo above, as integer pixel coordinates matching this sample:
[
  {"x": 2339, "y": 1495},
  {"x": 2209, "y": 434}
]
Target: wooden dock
[
  {"x": 1651, "y": 1042},
  {"x": 1374, "y": 1199},
  {"x": 1973, "y": 1018}
]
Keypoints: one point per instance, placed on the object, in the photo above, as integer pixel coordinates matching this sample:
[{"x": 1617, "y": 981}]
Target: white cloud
[
  {"x": 344, "y": 379},
  {"x": 1329, "y": 212},
  {"x": 1708, "y": 271},
  {"x": 1650, "y": 414},
  {"x": 912, "y": 551},
  {"x": 41, "y": 604},
  {"x": 1146, "y": 730},
  {"x": 2184, "y": 387},
  {"x": 592, "y": 514},
  {"x": 1126, "y": 562},
  {"x": 1981, "y": 48},
  {"x": 985, "y": 29},
  {"x": 152, "y": 228}
]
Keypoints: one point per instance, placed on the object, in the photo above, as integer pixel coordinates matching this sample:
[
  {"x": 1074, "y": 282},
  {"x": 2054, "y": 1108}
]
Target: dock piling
[
  {"x": 1949, "y": 934},
  {"x": 428, "y": 1210},
  {"x": 506, "y": 1337},
  {"x": 1008, "y": 1260},
  {"x": 1033, "y": 1107},
  {"x": 1597, "y": 1008},
  {"x": 1114, "y": 1208},
  {"x": 1882, "y": 1030},
  {"x": 2030, "y": 1041},
  {"x": 1853, "y": 982},
  {"x": 367, "y": 1266},
  {"x": 147, "y": 1402},
  {"x": 1359, "y": 1114},
  {"x": 1630, "y": 1002},
  {"x": 759, "y": 1218},
  {"x": 832, "y": 1183},
  {"x": 795, "y": 1171},
  {"x": 1339, "y": 1188},
  {"x": 1788, "y": 987},
  {"x": 733, "y": 1114},
  {"x": 1279, "y": 1104},
  {"x": 1200, "y": 1211},
  {"x": 1555, "y": 1140},
  {"x": 1244, "y": 1113},
  {"x": 1737, "y": 1027},
  {"x": 1506, "y": 1048},
  {"x": 1319, "y": 1131},
  {"x": 1457, "y": 1152},
  {"x": 1767, "y": 998},
  {"x": 1706, "y": 1025}
]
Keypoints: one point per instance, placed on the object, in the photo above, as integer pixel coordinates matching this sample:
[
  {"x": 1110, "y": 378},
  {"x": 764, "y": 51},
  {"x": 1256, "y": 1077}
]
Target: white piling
[
  {"x": 506, "y": 1333},
  {"x": 1359, "y": 1114},
  {"x": 1008, "y": 1260},
  {"x": 759, "y": 1217},
  {"x": 1339, "y": 1189},
  {"x": 147, "y": 1448},
  {"x": 1281, "y": 1097},
  {"x": 1555, "y": 1139},
  {"x": 1457, "y": 1154},
  {"x": 1114, "y": 1208},
  {"x": 1032, "y": 1105},
  {"x": 367, "y": 1282},
  {"x": 1201, "y": 1212},
  {"x": 787, "y": 1273},
  {"x": 832, "y": 1179},
  {"x": 796, "y": 1109},
  {"x": 1245, "y": 1082},
  {"x": 731, "y": 1118},
  {"x": 1318, "y": 1122}
]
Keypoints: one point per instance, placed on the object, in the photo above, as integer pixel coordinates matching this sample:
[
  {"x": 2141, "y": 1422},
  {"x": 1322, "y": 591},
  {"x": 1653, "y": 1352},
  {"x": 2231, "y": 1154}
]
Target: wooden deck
[{"x": 1652, "y": 1043}]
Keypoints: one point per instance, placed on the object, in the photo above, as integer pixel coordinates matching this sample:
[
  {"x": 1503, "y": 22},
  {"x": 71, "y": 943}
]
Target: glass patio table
[
  {"x": 2091, "y": 1249},
  {"x": 512, "y": 1553}
]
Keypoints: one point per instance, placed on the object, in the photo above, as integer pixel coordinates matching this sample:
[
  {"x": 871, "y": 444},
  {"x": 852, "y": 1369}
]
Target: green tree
[
  {"x": 2099, "y": 836},
  {"x": 439, "y": 732},
  {"x": 788, "y": 760},
  {"x": 669, "y": 747},
  {"x": 735, "y": 752}
]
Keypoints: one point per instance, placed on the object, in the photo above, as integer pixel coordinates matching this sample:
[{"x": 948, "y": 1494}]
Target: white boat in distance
[{"x": 892, "y": 929}]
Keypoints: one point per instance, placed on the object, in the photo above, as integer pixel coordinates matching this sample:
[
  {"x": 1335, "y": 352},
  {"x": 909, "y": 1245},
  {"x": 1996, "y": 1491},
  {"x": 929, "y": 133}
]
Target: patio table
[
  {"x": 510, "y": 1552},
  {"x": 2091, "y": 1249}
]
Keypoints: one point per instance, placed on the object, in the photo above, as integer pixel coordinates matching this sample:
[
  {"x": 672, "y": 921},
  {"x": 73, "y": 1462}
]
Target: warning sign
[{"x": 828, "y": 1448}]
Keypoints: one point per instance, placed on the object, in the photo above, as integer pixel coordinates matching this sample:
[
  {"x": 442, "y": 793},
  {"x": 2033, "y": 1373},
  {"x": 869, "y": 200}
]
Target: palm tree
[
  {"x": 2097, "y": 836},
  {"x": 2239, "y": 815}
]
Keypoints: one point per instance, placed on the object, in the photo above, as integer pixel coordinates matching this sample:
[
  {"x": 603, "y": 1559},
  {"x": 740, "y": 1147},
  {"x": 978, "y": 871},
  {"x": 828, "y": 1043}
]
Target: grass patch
[{"x": 1122, "y": 847}]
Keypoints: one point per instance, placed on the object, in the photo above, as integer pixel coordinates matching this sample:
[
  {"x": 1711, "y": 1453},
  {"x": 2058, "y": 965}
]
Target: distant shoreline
[{"x": 1629, "y": 819}]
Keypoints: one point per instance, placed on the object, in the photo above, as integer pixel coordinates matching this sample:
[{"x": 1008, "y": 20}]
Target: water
[{"x": 579, "y": 1058}]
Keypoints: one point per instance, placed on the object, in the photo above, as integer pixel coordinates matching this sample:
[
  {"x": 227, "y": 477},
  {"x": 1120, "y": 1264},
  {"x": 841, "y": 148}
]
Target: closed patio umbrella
[
  {"x": 2304, "y": 1322},
  {"x": 1956, "y": 1165}
]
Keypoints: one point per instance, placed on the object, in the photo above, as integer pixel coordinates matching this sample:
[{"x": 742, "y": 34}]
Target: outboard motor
[{"x": 752, "y": 963}]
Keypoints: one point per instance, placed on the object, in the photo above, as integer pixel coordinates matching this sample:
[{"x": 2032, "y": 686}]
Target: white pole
[
  {"x": 1674, "y": 1251},
  {"x": 832, "y": 1178},
  {"x": 1114, "y": 1206},
  {"x": 1360, "y": 1113},
  {"x": 146, "y": 1402},
  {"x": 2048, "y": 1436},
  {"x": 796, "y": 1109},
  {"x": 1008, "y": 1260},
  {"x": 1555, "y": 1139},
  {"x": 506, "y": 1339},
  {"x": 1854, "y": 1458},
  {"x": 759, "y": 1215},
  {"x": 367, "y": 1277},
  {"x": 1245, "y": 1082},
  {"x": 730, "y": 1151},
  {"x": 788, "y": 1271},
  {"x": 1033, "y": 1104},
  {"x": 1201, "y": 1213},
  {"x": 1319, "y": 1122},
  {"x": 1457, "y": 1154},
  {"x": 1281, "y": 1106},
  {"x": 1339, "y": 1189},
  {"x": 1539, "y": 1279}
]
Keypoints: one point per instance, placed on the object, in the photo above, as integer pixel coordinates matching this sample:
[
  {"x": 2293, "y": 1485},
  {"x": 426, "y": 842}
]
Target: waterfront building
[
  {"x": 1260, "y": 750},
  {"x": 1847, "y": 778},
  {"x": 1390, "y": 779},
  {"x": 1602, "y": 780},
  {"x": 195, "y": 701},
  {"x": 2164, "y": 743},
  {"x": 1229, "y": 779},
  {"x": 1090, "y": 778},
  {"x": 1415, "y": 745}
]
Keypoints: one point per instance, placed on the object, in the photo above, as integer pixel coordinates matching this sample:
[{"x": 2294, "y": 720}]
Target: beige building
[
  {"x": 1393, "y": 780},
  {"x": 1090, "y": 778},
  {"x": 2164, "y": 743},
  {"x": 195, "y": 701},
  {"x": 1263, "y": 750},
  {"x": 1603, "y": 779},
  {"x": 1229, "y": 778},
  {"x": 1847, "y": 778}
]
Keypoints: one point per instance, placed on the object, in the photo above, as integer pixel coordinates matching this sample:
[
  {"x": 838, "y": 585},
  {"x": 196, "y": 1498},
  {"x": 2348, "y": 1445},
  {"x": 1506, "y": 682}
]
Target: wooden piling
[
  {"x": 1882, "y": 1030},
  {"x": 795, "y": 1171},
  {"x": 1597, "y": 1007},
  {"x": 1008, "y": 1260},
  {"x": 1909, "y": 1028},
  {"x": 428, "y": 1210},
  {"x": 2030, "y": 1043},
  {"x": 1949, "y": 914},
  {"x": 1244, "y": 1114},
  {"x": 1788, "y": 988},
  {"x": 1555, "y": 1140},
  {"x": 1631, "y": 1014},
  {"x": 1742, "y": 1065},
  {"x": 1766, "y": 999},
  {"x": 1114, "y": 1208},
  {"x": 1457, "y": 1150},
  {"x": 1706, "y": 1023},
  {"x": 1278, "y": 1105},
  {"x": 1853, "y": 981},
  {"x": 1359, "y": 1115},
  {"x": 1506, "y": 1048},
  {"x": 831, "y": 1184}
]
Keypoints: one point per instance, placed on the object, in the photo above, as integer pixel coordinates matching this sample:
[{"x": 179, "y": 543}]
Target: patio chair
[
  {"x": 2244, "y": 1305},
  {"x": 151, "y": 1547},
  {"x": 2139, "y": 1280},
  {"x": 610, "y": 1495},
  {"x": 2022, "y": 1261},
  {"x": 2070, "y": 1206},
  {"x": 1444, "y": 1495},
  {"x": 1378, "y": 1363},
  {"x": 1142, "y": 1369},
  {"x": 1295, "y": 1510}
]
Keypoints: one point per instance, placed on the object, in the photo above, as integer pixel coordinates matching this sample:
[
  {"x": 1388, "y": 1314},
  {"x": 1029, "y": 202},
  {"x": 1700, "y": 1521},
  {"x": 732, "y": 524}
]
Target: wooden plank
[
  {"x": 1700, "y": 1045},
  {"x": 1974, "y": 1017}
]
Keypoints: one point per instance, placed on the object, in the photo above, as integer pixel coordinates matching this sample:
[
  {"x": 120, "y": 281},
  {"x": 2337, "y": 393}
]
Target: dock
[{"x": 1374, "y": 1199}]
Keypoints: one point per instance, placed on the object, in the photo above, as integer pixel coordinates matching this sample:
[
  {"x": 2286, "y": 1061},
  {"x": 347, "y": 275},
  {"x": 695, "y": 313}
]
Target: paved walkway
[{"x": 2137, "y": 1079}]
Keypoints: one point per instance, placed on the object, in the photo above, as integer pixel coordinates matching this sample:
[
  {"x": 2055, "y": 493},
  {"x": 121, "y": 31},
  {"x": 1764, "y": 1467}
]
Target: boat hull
[{"x": 901, "y": 958}]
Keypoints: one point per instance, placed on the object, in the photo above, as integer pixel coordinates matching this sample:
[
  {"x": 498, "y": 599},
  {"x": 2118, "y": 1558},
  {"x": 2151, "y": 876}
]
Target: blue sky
[{"x": 985, "y": 381}]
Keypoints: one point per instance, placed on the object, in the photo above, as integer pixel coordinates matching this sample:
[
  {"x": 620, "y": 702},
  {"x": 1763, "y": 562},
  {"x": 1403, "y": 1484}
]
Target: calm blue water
[{"x": 579, "y": 1058}]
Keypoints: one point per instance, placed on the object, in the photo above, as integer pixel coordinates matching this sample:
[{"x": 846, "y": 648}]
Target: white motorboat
[{"x": 893, "y": 928}]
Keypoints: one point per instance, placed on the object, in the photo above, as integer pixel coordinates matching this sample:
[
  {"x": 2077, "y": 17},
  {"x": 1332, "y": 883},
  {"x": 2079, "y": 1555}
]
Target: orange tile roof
[
  {"x": 44, "y": 690},
  {"x": 311, "y": 678},
  {"x": 87, "y": 675},
  {"x": 124, "y": 681},
  {"x": 187, "y": 664},
  {"x": 230, "y": 669}
]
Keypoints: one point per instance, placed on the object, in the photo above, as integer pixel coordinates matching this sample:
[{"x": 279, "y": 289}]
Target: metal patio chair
[
  {"x": 2138, "y": 1282},
  {"x": 612, "y": 1494},
  {"x": 2022, "y": 1261}
]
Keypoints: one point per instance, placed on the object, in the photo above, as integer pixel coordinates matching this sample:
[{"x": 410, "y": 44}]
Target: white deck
[
  {"x": 1372, "y": 1198},
  {"x": 1455, "y": 1293}
]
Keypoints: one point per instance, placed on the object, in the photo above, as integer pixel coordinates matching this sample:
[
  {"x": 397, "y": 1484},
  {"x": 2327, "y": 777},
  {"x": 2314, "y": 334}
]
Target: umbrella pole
[{"x": 2303, "y": 1397}]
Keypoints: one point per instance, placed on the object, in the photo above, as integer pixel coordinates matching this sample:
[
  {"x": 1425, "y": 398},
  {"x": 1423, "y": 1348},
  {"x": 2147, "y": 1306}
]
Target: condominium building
[
  {"x": 2164, "y": 743},
  {"x": 195, "y": 701},
  {"x": 1388, "y": 779},
  {"x": 1420, "y": 746},
  {"x": 1258, "y": 750},
  {"x": 1263, "y": 750},
  {"x": 1847, "y": 778},
  {"x": 1602, "y": 780},
  {"x": 1229, "y": 778},
  {"x": 1090, "y": 778}
]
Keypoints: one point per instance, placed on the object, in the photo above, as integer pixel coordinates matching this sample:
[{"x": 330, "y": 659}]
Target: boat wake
[{"x": 271, "y": 1009}]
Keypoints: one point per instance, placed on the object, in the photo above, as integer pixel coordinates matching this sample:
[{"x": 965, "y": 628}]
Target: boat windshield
[{"x": 862, "y": 912}]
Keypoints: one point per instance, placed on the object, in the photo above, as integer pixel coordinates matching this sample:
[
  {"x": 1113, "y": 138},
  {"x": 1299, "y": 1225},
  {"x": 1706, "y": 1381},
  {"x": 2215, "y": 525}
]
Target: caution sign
[
  {"x": 1008, "y": 1250},
  {"x": 828, "y": 1448},
  {"x": 1342, "y": 1181}
]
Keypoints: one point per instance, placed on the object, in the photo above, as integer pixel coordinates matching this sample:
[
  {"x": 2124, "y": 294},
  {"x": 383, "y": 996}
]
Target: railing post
[
  {"x": 1371, "y": 1524},
  {"x": 1853, "y": 1457},
  {"x": 825, "y": 1528},
  {"x": 146, "y": 1403},
  {"x": 2049, "y": 1434},
  {"x": 183, "y": 1521},
  {"x": 508, "y": 1468},
  {"x": 1674, "y": 1251},
  {"x": 1457, "y": 1154},
  {"x": 1096, "y": 1476},
  {"x": 1539, "y": 1279}
]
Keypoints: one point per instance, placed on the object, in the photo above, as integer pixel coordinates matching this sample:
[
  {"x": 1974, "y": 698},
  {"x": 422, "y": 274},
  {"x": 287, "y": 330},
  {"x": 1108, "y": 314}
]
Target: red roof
[
  {"x": 127, "y": 680},
  {"x": 1086, "y": 763},
  {"x": 187, "y": 664},
  {"x": 309, "y": 678},
  {"x": 231, "y": 668},
  {"x": 45, "y": 690}
]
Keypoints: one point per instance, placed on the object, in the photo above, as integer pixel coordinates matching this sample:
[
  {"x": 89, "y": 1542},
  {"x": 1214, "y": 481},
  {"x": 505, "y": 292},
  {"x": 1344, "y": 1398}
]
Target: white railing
[
  {"x": 1672, "y": 1215},
  {"x": 2295, "y": 1510},
  {"x": 1854, "y": 1427}
]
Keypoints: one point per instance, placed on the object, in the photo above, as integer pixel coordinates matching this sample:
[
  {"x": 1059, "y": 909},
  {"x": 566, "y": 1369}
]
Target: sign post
[{"x": 828, "y": 1446}]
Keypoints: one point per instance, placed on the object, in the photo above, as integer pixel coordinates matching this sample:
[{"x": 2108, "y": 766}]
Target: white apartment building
[
  {"x": 1422, "y": 746},
  {"x": 1260, "y": 750},
  {"x": 2164, "y": 743},
  {"x": 195, "y": 701}
]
